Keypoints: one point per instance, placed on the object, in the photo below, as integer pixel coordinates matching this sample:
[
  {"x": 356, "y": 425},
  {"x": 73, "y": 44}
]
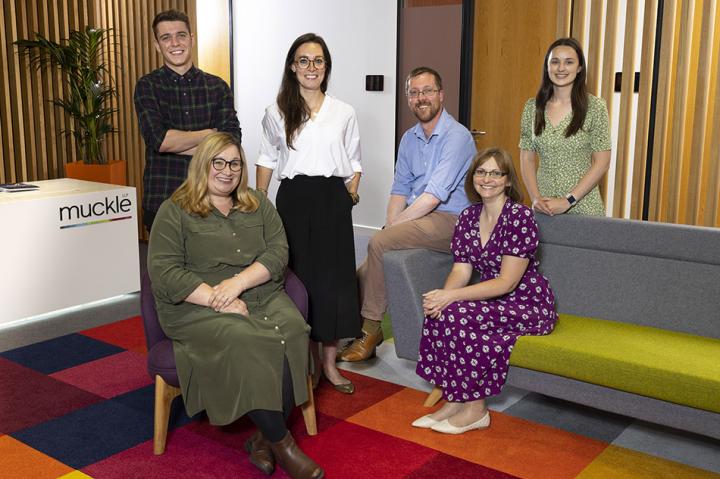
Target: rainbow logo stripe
[{"x": 88, "y": 223}]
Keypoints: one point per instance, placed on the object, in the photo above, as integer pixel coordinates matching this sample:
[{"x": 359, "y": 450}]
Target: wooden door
[{"x": 509, "y": 43}]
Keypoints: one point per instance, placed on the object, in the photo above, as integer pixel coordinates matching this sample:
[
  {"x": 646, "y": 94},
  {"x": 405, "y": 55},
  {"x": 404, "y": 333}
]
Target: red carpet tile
[
  {"x": 109, "y": 376},
  {"x": 368, "y": 391},
  {"x": 443, "y": 465},
  {"x": 28, "y": 397},
  {"x": 190, "y": 456},
  {"x": 127, "y": 334},
  {"x": 350, "y": 451}
]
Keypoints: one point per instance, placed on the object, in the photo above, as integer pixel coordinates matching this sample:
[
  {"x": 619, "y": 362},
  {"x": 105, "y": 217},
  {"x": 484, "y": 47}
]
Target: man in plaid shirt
[{"x": 177, "y": 106}]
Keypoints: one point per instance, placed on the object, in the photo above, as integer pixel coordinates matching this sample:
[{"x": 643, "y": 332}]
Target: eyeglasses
[
  {"x": 495, "y": 174},
  {"x": 427, "y": 93},
  {"x": 304, "y": 63},
  {"x": 220, "y": 164}
]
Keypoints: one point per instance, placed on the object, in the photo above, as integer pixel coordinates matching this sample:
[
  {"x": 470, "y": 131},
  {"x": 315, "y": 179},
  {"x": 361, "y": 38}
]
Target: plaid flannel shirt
[{"x": 166, "y": 101}]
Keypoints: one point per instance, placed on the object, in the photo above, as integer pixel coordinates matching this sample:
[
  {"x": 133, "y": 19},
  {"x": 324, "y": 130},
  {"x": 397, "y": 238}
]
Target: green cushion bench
[
  {"x": 639, "y": 327},
  {"x": 638, "y": 359}
]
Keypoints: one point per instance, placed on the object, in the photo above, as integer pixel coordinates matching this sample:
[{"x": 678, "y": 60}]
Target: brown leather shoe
[
  {"x": 362, "y": 348},
  {"x": 261, "y": 455},
  {"x": 295, "y": 463}
]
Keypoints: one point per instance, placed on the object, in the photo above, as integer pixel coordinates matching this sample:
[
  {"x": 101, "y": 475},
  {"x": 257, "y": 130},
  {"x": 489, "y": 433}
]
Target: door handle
[{"x": 476, "y": 133}]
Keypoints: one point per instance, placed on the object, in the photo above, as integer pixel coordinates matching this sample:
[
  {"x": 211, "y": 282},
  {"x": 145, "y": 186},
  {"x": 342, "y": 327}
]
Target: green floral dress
[{"x": 564, "y": 161}]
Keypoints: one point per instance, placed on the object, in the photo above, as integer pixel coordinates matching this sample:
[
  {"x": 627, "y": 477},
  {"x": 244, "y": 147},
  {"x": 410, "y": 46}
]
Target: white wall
[{"x": 362, "y": 37}]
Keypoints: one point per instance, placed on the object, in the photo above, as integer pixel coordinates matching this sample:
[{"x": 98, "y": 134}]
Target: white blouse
[{"x": 328, "y": 145}]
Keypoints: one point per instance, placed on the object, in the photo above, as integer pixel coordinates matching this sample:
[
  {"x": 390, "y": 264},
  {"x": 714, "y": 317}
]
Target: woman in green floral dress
[{"x": 566, "y": 129}]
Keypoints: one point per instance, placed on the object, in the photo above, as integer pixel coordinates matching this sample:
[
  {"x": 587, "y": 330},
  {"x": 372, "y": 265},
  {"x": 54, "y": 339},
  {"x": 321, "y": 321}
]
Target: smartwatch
[{"x": 571, "y": 199}]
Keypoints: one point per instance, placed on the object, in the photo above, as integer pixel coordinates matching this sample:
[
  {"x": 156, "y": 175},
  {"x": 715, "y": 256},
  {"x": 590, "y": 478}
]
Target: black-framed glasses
[
  {"x": 427, "y": 93},
  {"x": 219, "y": 164},
  {"x": 304, "y": 63},
  {"x": 494, "y": 174}
]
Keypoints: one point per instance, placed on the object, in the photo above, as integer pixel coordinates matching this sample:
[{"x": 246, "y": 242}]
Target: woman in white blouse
[{"x": 311, "y": 140}]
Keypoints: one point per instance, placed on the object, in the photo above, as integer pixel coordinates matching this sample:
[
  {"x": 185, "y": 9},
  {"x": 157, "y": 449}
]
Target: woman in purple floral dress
[{"x": 470, "y": 329}]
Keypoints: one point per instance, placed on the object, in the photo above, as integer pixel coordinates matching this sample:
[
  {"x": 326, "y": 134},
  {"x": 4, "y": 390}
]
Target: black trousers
[
  {"x": 148, "y": 218},
  {"x": 317, "y": 214}
]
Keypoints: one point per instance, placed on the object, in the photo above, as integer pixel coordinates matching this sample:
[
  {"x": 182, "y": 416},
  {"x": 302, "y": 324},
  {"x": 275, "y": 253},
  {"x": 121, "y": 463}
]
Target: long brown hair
[
  {"x": 505, "y": 163},
  {"x": 578, "y": 97},
  {"x": 192, "y": 196},
  {"x": 294, "y": 110}
]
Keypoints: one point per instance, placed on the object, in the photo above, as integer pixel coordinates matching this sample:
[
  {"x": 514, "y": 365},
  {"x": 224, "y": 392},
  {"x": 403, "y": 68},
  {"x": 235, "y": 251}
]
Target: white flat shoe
[
  {"x": 425, "y": 422},
  {"x": 445, "y": 427}
]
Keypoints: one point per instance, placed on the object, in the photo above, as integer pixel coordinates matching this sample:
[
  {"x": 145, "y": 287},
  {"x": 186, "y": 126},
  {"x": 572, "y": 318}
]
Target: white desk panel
[{"x": 68, "y": 243}]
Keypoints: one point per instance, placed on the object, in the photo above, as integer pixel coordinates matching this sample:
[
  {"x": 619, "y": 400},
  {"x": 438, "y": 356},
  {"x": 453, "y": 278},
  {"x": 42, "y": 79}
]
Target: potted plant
[{"x": 87, "y": 91}]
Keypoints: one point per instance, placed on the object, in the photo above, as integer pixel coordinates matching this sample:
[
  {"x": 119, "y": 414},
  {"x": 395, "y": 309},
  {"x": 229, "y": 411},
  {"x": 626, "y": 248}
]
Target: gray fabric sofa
[{"x": 641, "y": 273}]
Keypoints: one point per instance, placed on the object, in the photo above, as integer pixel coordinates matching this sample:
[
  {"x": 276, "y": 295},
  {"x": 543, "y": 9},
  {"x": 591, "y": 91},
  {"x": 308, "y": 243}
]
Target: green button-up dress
[
  {"x": 564, "y": 161},
  {"x": 228, "y": 364}
]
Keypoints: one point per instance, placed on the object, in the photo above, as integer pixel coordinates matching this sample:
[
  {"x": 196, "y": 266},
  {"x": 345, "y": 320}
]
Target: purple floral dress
[{"x": 466, "y": 351}]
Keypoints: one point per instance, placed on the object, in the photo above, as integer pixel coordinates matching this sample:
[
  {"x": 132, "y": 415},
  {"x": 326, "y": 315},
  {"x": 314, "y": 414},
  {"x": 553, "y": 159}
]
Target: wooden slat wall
[
  {"x": 711, "y": 214},
  {"x": 622, "y": 164},
  {"x": 685, "y": 180},
  {"x": 594, "y": 53},
  {"x": 642, "y": 129},
  {"x": 564, "y": 13},
  {"x": 32, "y": 147},
  {"x": 607, "y": 75},
  {"x": 685, "y": 175}
]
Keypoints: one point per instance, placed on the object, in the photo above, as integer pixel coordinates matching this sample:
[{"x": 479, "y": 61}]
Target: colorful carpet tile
[{"x": 81, "y": 406}]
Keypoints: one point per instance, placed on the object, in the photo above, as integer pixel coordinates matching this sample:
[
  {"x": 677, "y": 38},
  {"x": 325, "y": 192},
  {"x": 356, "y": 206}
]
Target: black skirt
[{"x": 317, "y": 214}]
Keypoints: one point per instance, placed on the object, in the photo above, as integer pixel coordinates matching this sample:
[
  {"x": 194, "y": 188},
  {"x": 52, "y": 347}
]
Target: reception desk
[{"x": 68, "y": 243}]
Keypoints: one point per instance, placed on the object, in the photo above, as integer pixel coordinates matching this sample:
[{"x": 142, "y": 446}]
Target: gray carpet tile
[
  {"x": 680, "y": 446},
  {"x": 570, "y": 417}
]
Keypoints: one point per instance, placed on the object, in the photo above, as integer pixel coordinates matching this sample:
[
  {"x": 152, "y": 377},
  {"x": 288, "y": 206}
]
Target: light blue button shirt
[{"x": 435, "y": 165}]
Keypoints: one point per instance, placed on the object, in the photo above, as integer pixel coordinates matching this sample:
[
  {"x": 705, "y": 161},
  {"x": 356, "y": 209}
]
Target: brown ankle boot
[
  {"x": 295, "y": 463},
  {"x": 261, "y": 455}
]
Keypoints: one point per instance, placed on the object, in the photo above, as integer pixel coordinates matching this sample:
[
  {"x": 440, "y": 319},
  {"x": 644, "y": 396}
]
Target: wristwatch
[{"x": 571, "y": 199}]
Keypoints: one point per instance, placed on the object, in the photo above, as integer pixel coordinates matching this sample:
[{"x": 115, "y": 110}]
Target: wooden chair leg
[
  {"x": 164, "y": 395},
  {"x": 433, "y": 397},
  {"x": 308, "y": 410}
]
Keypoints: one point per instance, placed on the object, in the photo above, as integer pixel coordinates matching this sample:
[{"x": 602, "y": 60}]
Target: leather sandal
[
  {"x": 261, "y": 455},
  {"x": 295, "y": 463}
]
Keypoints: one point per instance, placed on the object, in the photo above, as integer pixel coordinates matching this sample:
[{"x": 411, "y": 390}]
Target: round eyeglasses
[
  {"x": 219, "y": 164},
  {"x": 495, "y": 174},
  {"x": 304, "y": 63}
]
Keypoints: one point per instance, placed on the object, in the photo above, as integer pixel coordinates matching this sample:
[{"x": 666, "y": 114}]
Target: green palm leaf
[{"x": 88, "y": 88}]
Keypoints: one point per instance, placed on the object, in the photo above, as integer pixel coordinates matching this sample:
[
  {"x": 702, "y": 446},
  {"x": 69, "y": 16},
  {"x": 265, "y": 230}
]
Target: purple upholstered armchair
[{"x": 161, "y": 359}]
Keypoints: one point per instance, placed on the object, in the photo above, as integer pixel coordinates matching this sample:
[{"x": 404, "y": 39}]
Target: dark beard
[{"x": 427, "y": 115}]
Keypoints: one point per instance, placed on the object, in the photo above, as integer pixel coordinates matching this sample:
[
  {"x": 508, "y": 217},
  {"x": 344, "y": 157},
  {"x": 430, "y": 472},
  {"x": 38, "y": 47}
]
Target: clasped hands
[
  {"x": 435, "y": 301},
  {"x": 225, "y": 297},
  {"x": 551, "y": 205}
]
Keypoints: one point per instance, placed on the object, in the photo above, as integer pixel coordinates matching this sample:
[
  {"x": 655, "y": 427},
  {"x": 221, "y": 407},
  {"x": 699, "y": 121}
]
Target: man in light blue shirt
[{"x": 426, "y": 197}]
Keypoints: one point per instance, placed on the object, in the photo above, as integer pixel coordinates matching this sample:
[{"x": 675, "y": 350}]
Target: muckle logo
[{"x": 112, "y": 208}]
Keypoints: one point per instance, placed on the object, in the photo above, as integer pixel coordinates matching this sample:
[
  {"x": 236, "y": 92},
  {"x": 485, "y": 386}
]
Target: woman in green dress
[
  {"x": 216, "y": 260},
  {"x": 567, "y": 129}
]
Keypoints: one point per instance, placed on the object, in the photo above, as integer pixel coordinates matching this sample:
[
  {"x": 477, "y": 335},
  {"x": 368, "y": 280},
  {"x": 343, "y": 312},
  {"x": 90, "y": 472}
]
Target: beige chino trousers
[{"x": 433, "y": 231}]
